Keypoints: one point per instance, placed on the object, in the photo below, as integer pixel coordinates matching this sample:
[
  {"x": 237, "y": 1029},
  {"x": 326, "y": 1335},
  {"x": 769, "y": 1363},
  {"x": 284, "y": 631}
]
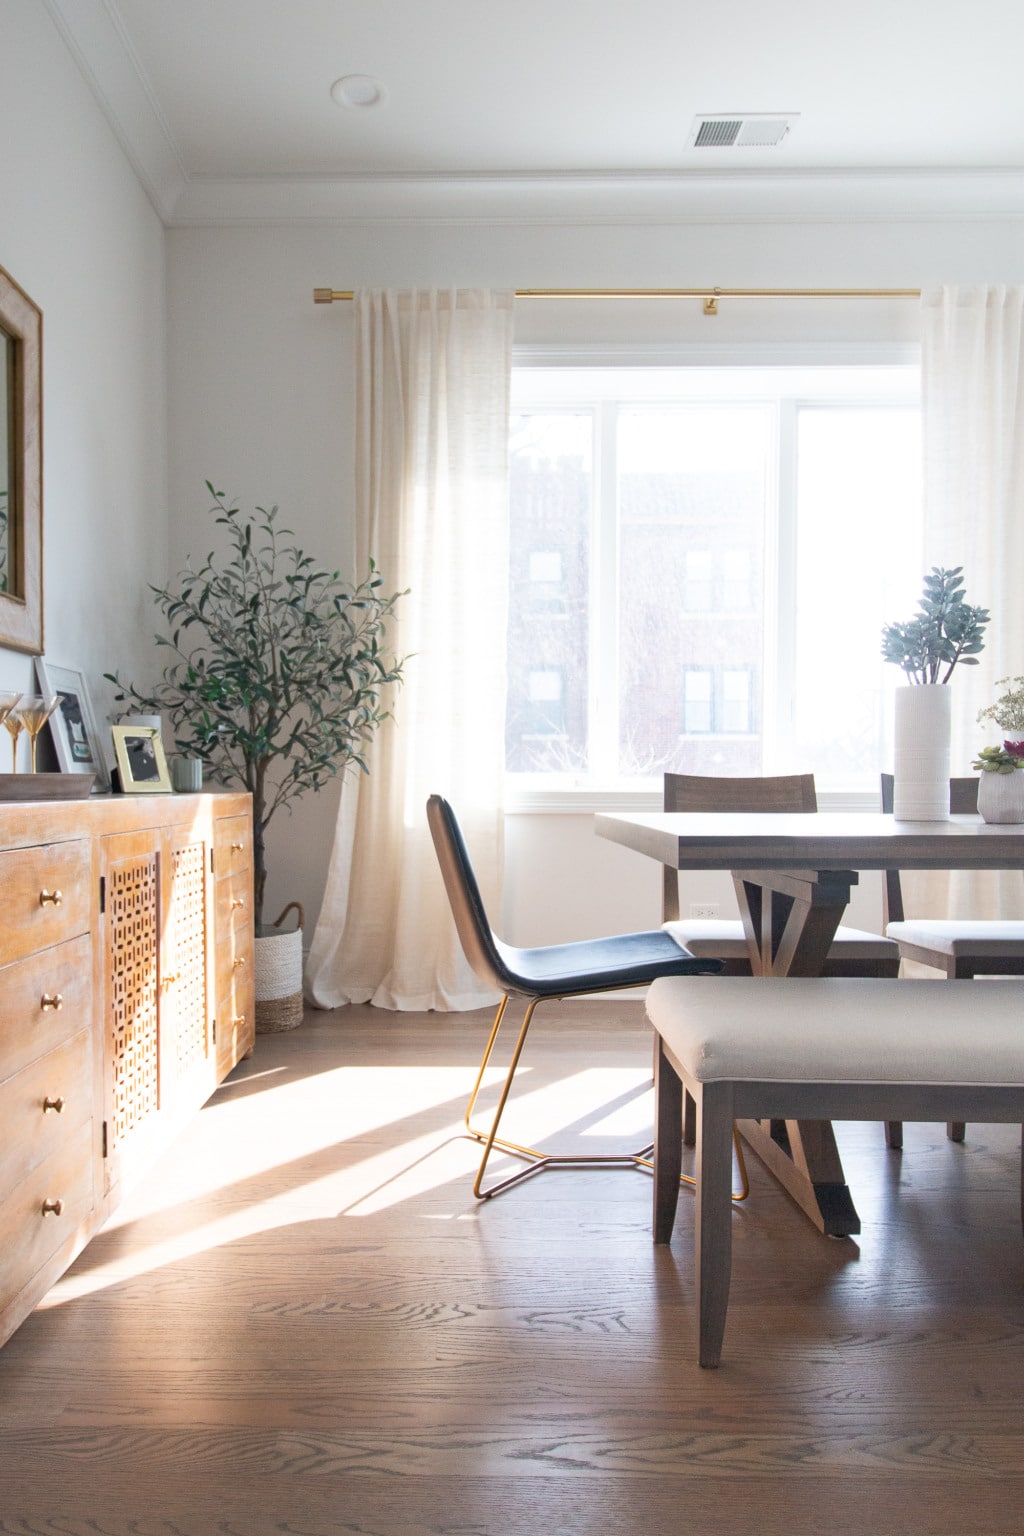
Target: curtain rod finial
[{"x": 323, "y": 295}]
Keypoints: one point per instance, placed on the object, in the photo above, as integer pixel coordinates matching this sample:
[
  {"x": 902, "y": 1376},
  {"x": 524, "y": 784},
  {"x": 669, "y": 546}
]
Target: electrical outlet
[{"x": 704, "y": 908}]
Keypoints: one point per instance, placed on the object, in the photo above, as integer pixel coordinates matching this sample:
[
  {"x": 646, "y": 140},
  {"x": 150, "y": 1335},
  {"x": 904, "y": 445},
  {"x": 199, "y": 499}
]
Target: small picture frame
[
  {"x": 76, "y": 740},
  {"x": 141, "y": 764}
]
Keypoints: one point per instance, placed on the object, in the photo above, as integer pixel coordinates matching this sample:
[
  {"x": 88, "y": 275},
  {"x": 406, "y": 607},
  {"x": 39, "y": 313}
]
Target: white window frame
[{"x": 901, "y": 359}]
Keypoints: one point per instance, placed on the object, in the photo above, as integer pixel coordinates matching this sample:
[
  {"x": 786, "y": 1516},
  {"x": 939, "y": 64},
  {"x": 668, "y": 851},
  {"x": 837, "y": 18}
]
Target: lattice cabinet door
[
  {"x": 187, "y": 992},
  {"x": 131, "y": 919}
]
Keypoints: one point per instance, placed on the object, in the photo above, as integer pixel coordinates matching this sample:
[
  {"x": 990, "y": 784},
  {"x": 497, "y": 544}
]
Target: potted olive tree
[{"x": 279, "y": 675}]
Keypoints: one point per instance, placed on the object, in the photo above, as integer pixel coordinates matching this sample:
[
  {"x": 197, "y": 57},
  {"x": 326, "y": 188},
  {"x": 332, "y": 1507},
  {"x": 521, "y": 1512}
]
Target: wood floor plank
[{"x": 303, "y": 1323}]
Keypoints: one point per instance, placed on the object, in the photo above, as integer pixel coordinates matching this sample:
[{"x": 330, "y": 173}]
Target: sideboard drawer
[
  {"x": 232, "y": 845},
  {"x": 43, "y": 1000},
  {"x": 47, "y": 1211},
  {"x": 233, "y": 904},
  {"x": 43, "y": 1105},
  {"x": 46, "y": 897}
]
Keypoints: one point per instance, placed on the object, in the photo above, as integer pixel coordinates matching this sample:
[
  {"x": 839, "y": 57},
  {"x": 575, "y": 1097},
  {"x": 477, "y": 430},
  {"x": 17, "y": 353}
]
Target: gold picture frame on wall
[
  {"x": 21, "y": 469},
  {"x": 141, "y": 764}
]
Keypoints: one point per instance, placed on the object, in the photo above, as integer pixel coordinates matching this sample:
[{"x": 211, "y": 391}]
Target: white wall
[
  {"x": 260, "y": 390},
  {"x": 79, "y": 235}
]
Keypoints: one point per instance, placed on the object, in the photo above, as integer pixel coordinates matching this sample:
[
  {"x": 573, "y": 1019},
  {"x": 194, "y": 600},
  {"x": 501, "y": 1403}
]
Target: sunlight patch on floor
[{"x": 308, "y": 1133}]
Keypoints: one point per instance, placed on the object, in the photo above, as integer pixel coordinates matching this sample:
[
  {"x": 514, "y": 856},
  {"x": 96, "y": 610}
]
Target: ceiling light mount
[{"x": 359, "y": 92}]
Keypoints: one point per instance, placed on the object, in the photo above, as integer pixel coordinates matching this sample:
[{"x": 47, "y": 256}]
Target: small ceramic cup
[{"x": 187, "y": 774}]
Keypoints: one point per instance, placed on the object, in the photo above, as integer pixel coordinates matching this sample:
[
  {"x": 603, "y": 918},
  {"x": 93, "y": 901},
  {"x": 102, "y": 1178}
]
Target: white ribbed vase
[
  {"x": 1001, "y": 796},
  {"x": 921, "y": 752}
]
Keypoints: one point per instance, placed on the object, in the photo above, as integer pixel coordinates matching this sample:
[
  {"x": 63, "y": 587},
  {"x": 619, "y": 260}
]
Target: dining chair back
[
  {"x": 781, "y": 793},
  {"x": 853, "y": 952},
  {"x": 552, "y": 971}
]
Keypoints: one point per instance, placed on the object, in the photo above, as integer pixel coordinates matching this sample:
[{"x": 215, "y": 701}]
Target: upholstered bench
[{"x": 825, "y": 1048}]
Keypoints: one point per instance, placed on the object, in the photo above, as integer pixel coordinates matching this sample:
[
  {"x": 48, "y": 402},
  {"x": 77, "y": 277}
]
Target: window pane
[
  {"x": 702, "y": 560},
  {"x": 693, "y": 505},
  {"x": 551, "y": 473},
  {"x": 735, "y": 701},
  {"x": 697, "y": 698}
]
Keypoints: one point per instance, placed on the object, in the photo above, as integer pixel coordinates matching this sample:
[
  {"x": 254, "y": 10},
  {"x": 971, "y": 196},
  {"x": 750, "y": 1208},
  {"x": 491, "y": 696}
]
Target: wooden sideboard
[{"x": 126, "y": 996}]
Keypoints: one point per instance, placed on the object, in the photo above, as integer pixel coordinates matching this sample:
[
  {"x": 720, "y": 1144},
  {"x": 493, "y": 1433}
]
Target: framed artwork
[
  {"x": 72, "y": 724},
  {"x": 141, "y": 763}
]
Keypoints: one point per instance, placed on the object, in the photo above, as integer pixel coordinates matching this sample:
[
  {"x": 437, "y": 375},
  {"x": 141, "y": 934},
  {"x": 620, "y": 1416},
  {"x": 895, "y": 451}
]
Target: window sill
[{"x": 566, "y": 801}]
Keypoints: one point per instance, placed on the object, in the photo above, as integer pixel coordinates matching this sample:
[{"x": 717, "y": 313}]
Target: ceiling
[{"x": 225, "y": 106}]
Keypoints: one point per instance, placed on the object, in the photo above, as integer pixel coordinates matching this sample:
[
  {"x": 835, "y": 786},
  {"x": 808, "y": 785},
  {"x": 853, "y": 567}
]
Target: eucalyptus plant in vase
[
  {"x": 280, "y": 673},
  {"x": 946, "y": 632}
]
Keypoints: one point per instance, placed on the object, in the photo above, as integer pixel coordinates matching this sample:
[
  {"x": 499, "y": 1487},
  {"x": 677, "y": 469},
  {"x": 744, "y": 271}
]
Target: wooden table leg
[{"x": 790, "y": 920}]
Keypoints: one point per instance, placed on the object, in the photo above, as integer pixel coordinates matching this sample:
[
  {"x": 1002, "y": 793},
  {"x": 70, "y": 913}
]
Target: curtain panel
[
  {"x": 433, "y": 372},
  {"x": 973, "y": 413}
]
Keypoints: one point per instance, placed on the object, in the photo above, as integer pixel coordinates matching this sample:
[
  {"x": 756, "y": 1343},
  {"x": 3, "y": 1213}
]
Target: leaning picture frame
[
  {"x": 141, "y": 763},
  {"x": 73, "y": 732}
]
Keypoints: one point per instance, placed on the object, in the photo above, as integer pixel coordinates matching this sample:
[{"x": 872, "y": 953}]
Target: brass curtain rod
[{"x": 710, "y": 295}]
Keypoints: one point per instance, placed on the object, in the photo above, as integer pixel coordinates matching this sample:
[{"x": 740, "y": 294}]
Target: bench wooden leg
[
  {"x": 689, "y": 1120},
  {"x": 668, "y": 1142},
  {"x": 714, "y": 1216}
]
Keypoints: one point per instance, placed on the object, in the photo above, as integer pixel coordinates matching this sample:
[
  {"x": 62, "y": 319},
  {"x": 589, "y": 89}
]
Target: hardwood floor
[{"x": 303, "y": 1323}]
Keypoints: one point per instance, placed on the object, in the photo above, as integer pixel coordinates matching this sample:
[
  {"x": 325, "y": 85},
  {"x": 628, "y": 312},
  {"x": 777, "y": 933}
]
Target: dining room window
[{"x": 730, "y": 541}]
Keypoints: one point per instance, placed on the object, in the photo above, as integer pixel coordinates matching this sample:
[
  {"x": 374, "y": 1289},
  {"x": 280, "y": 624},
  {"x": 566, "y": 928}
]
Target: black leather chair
[{"x": 551, "y": 972}]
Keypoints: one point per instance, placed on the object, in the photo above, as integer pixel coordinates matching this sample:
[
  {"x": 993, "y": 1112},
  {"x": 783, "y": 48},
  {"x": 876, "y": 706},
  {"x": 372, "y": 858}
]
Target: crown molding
[
  {"x": 103, "y": 53},
  {"x": 107, "y": 62},
  {"x": 570, "y": 198}
]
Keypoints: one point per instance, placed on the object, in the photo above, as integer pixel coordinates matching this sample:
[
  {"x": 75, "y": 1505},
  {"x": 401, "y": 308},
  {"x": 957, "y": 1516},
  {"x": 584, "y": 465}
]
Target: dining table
[{"x": 793, "y": 875}]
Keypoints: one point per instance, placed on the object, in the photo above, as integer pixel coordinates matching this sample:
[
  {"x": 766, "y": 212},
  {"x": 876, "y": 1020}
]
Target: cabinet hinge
[
  {"x": 213, "y": 1025},
  {"x": 212, "y": 871},
  {"x": 104, "y": 1138},
  {"x": 103, "y": 893}
]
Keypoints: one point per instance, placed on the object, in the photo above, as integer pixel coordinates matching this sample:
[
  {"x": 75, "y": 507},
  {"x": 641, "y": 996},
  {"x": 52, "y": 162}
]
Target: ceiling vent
[{"x": 740, "y": 130}]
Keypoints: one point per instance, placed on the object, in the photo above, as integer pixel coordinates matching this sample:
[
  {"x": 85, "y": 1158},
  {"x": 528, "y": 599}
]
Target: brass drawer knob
[
  {"x": 57, "y": 1104},
  {"x": 50, "y": 898},
  {"x": 51, "y": 1000},
  {"x": 236, "y": 963},
  {"x": 237, "y": 847},
  {"x": 52, "y": 1207},
  {"x": 238, "y": 1021},
  {"x": 237, "y": 901}
]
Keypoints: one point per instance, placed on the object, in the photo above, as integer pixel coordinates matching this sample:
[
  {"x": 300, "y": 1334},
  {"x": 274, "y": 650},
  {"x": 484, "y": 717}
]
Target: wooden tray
[{"x": 46, "y": 786}]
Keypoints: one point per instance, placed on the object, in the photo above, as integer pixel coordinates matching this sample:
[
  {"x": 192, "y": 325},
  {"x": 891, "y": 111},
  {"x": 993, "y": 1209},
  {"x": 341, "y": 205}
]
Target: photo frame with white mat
[
  {"x": 141, "y": 762},
  {"x": 76, "y": 740}
]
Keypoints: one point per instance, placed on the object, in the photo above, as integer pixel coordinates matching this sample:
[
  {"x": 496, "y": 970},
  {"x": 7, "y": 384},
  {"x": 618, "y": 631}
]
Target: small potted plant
[
  {"x": 1001, "y": 787},
  {"x": 946, "y": 632},
  {"x": 1008, "y": 713},
  {"x": 279, "y": 680}
]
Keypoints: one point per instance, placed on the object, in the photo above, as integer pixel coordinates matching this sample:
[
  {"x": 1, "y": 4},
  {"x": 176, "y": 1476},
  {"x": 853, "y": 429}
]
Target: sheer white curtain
[
  {"x": 433, "y": 372},
  {"x": 973, "y": 409}
]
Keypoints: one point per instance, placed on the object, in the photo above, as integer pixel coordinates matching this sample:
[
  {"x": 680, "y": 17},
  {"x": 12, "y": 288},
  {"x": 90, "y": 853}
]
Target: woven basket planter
[{"x": 279, "y": 977}]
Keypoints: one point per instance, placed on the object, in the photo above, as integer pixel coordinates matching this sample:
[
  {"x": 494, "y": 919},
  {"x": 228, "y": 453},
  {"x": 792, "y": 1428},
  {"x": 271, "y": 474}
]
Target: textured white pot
[
  {"x": 921, "y": 752},
  {"x": 1001, "y": 796}
]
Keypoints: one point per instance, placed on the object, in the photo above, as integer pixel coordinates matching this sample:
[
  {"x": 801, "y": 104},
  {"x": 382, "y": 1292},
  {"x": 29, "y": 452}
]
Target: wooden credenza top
[{"x": 25, "y": 822}]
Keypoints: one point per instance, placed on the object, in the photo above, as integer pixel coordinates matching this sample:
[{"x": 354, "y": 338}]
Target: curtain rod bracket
[{"x": 711, "y": 303}]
